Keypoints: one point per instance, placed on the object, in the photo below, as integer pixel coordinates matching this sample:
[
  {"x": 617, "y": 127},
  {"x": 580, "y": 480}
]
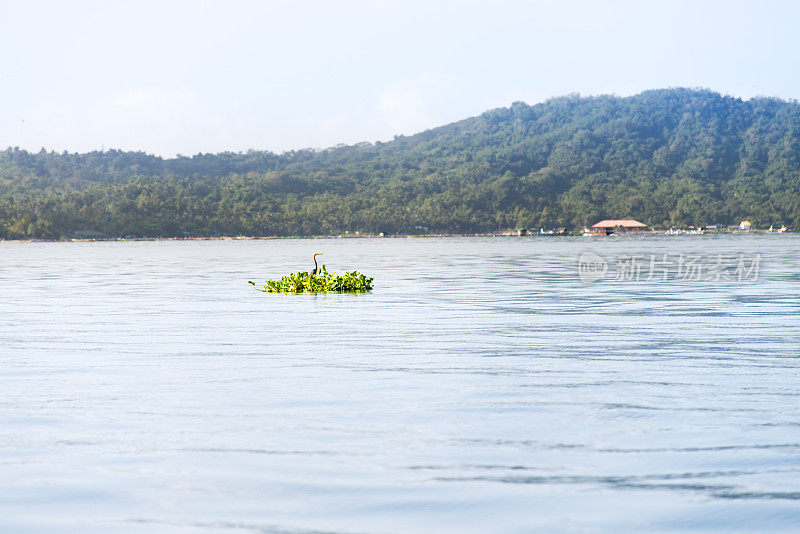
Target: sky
[{"x": 184, "y": 77}]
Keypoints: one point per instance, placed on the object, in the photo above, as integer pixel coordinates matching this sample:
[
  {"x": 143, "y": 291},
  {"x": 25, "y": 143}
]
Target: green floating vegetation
[{"x": 321, "y": 282}]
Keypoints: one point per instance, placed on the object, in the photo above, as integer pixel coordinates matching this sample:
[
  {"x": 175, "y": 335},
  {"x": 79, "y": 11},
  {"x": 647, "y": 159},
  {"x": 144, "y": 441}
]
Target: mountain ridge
[{"x": 665, "y": 156}]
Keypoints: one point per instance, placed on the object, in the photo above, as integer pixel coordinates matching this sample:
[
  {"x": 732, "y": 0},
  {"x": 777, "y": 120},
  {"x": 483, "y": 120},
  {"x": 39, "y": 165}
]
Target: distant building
[
  {"x": 624, "y": 225},
  {"x": 744, "y": 225}
]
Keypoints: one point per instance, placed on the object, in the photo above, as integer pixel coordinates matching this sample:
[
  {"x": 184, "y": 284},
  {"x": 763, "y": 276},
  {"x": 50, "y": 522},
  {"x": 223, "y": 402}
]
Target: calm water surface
[{"x": 481, "y": 387}]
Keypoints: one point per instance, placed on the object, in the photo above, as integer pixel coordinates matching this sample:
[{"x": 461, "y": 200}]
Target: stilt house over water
[{"x": 620, "y": 226}]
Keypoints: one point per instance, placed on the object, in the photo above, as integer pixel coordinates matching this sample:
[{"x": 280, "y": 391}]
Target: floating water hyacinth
[{"x": 320, "y": 281}]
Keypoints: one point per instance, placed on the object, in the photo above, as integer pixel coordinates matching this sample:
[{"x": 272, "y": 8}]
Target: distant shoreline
[{"x": 373, "y": 236}]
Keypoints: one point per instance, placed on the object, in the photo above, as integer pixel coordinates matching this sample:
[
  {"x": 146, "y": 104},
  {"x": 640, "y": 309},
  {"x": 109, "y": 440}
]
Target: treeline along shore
[{"x": 668, "y": 158}]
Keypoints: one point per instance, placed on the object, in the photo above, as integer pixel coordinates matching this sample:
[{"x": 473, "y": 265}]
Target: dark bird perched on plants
[{"x": 315, "y": 263}]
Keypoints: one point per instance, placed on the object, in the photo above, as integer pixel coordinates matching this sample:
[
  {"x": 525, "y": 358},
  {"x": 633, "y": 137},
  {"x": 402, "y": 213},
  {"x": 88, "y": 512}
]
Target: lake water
[{"x": 481, "y": 387}]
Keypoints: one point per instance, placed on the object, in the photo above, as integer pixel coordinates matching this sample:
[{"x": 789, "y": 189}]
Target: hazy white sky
[{"x": 184, "y": 77}]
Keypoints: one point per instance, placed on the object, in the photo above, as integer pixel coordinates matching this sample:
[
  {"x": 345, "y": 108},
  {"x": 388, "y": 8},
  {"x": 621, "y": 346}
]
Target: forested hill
[{"x": 665, "y": 157}]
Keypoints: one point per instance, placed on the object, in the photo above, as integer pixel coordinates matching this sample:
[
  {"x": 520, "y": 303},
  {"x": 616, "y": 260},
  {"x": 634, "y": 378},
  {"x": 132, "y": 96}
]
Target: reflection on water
[{"x": 480, "y": 387}]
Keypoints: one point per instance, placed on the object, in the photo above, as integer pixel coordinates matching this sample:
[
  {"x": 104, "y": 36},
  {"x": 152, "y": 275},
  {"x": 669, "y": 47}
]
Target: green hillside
[{"x": 665, "y": 157}]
